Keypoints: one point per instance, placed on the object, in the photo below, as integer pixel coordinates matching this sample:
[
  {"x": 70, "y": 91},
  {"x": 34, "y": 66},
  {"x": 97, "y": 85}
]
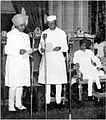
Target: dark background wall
[{"x": 6, "y": 22}]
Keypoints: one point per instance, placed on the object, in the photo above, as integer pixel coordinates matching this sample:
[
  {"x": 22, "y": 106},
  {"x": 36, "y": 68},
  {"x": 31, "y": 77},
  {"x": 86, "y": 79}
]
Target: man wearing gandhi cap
[
  {"x": 56, "y": 44},
  {"x": 51, "y": 18},
  {"x": 17, "y": 63}
]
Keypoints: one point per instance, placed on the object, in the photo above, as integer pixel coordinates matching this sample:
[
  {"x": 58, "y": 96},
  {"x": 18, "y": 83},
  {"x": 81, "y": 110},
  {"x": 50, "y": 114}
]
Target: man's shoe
[
  {"x": 21, "y": 108},
  {"x": 12, "y": 109},
  {"x": 59, "y": 106},
  {"x": 47, "y": 101},
  {"x": 100, "y": 90},
  {"x": 90, "y": 98},
  {"x": 58, "y": 101}
]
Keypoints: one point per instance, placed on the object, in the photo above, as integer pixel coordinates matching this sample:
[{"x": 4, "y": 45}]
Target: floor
[{"x": 79, "y": 109}]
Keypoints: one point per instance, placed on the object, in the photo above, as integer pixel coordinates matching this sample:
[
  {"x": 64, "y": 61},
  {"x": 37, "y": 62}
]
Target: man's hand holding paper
[
  {"x": 31, "y": 51},
  {"x": 57, "y": 49},
  {"x": 27, "y": 53},
  {"x": 48, "y": 47}
]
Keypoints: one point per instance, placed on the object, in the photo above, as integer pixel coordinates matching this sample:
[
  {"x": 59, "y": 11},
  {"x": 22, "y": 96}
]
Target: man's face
[
  {"x": 83, "y": 46},
  {"x": 52, "y": 25},
  {"x": 21, "y": 27}
]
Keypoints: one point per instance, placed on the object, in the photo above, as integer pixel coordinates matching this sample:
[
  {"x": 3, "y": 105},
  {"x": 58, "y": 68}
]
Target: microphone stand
[
  {"x": 3, "y": 43},
  {"x": 32, "y": 75},
  {"x": 70, "y": 61},
  {"x": 45, "y": 71}
]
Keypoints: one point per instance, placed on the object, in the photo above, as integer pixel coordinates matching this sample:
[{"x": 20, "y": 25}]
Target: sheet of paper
[
  {"x": 49, "y": 47},
  {"x": 29, "y": 52}
]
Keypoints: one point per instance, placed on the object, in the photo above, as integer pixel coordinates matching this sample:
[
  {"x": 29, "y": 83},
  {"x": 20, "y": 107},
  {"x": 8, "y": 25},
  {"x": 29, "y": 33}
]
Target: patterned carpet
[{"x": 79, "y": 109}]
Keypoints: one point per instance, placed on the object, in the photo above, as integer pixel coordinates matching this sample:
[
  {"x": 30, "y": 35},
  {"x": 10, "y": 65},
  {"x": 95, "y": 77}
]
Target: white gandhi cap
[{"x": 51, "y": 18}]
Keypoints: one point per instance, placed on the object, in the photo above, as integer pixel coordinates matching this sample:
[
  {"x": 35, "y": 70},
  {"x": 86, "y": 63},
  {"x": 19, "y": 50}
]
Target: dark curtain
[
  {"x": 6, "y": 22},
  {"x": 97, "y": 19},
  {"x": 35, "y": 10},
  {"x": 101, "y": 16},
  {"x": 92, "y": 16}
]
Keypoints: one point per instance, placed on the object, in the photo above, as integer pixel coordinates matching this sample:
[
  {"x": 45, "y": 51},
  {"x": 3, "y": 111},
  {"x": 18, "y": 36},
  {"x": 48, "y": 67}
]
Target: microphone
[
  {"x": 44, "y": 36},
  {"x": 33, "y": 35}
]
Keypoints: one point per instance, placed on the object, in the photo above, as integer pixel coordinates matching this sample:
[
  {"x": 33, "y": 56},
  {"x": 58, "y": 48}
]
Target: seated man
[
  {"x": 100, "y": 48},
  {"x": 98, "y": 64},
  {"x": 86, "y": 60},
  {"x": 103, "y": 60}
]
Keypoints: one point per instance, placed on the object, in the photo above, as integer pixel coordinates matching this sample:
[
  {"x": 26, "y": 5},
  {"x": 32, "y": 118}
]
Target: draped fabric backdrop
[
  {"x": 97, "y": 20},
  {"x": 35, "y": 10},
  {"x": 89, "y": 15},
  {"x": 70, "y": 14}
]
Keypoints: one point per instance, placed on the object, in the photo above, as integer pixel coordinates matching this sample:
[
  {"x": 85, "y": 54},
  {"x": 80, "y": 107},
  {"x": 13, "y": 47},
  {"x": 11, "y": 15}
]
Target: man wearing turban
[
  {"x": 56, "y": 44},
  {"x": 17, "y": 63}
]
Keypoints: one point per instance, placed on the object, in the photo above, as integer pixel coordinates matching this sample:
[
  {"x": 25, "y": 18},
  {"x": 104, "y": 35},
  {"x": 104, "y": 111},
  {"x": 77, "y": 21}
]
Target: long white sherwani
[
  {"x": 87, "y": 69},
  {"x": 56, "y": 68},
  {"x": 17, "y": 66}
]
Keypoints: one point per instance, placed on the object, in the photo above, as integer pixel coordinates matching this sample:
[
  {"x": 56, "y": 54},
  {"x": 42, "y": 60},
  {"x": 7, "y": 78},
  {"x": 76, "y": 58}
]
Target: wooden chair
[
  {"x": 95, "y": 94},
  {"x": 100, "y": 95}
]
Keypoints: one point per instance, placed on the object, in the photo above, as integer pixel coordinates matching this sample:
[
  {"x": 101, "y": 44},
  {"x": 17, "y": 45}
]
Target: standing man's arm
[
  {"x": 11, "y": 48},
  {"x": 63, "y": 40}
]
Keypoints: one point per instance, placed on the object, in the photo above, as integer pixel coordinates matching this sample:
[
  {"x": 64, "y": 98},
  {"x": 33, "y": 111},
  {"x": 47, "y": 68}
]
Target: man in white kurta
[
  {"x": 103, "y": 59},
  {"x": 17, "y": 63},
  {"x": 100, "y": 48},
  {"x": 85, "y": 58},
  {"x": 56, "y": 44}
]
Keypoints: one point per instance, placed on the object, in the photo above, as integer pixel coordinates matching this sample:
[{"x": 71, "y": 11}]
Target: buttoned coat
[
  {"x": 84, "y": 59},
  {"x": 17, "y": 65},
  {"x": 55, "y": 60}
]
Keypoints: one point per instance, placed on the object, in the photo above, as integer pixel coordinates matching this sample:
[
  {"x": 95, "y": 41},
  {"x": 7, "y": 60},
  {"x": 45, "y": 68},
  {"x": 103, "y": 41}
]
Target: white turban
[
  {"x": 19, "y": 19},
  {"x": 51, "y": 18}
]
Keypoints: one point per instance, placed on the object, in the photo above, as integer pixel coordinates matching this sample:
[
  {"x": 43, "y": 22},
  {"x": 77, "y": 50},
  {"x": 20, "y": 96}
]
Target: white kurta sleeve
[
  {"x": 10, "y": 48},
  {"x": 39, "y": 48},
  {"x": 40, "y": 44},
  {"x": 64, "y": 46},
  {"x": 99, "y": 63},
  {"x": 28, "y": 39},
  {"x": 75, "y": 58},
  {"x": 28, "y": 42},
  {"x": 94, "y": 58}
]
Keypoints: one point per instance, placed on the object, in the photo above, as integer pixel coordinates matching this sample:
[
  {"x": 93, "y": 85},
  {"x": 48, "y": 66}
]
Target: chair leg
[
  {"x": 64, "y": 91},
  {"x": 80, "y": 91}
]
